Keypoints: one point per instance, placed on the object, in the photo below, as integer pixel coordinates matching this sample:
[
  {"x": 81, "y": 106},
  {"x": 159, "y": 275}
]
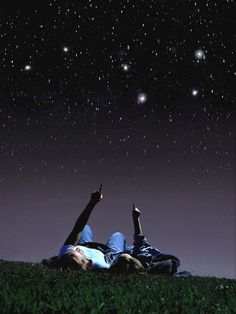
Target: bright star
[
  {"x": 125, "y": 67},
  {"x": 142, "y": 98},
  {"x": 27, "y": 67},
  {"x": 199, "y": 54},
  {"x": 65, "y": 49},
  {"x": 194, "y": 92}
]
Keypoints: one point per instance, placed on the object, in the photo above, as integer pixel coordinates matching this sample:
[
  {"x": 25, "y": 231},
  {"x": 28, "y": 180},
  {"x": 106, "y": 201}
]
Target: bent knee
[{"x": 118, "y": 234}]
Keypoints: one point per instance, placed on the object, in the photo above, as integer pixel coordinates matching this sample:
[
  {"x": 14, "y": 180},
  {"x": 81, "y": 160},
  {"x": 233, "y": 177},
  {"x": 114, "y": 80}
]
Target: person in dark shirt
[{"x": 150, "y": 257}]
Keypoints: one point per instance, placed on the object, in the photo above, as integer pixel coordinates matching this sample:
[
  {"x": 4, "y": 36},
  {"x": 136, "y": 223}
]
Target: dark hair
[
  {"x": 125, "y": 263},
  {"x": 66, "y": 261},
  {"x": 63, "y": 262}
]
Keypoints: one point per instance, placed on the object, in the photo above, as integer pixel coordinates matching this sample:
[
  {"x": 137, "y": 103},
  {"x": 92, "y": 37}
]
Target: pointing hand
[
  {"x": 136, "y": 212},
  {"x": 97, "y": 195}
]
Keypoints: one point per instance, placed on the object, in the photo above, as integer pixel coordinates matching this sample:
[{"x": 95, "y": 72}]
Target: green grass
[{"x": 32, "y": 288}]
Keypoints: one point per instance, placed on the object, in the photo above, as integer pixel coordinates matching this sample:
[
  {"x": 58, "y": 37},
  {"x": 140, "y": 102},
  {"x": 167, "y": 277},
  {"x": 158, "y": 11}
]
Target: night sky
[{"x": 137, "y": 95}]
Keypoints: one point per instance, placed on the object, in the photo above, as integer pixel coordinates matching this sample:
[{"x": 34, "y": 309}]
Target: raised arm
[
  {"x": 136, "y": 220},
  {"x": 74, "y": 236}
]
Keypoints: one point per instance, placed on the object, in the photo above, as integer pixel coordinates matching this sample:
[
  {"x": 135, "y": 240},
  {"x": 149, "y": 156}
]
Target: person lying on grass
[
  {"x": 151, "y": 258},
  {"x": 142, "y": 257},
  {"x": 80, "y": 252}
]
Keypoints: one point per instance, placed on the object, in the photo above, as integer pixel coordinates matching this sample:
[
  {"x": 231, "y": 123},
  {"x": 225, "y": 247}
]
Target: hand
[
  {"x": 97, "y": 195},
  {"x": 136, "y": 212}
]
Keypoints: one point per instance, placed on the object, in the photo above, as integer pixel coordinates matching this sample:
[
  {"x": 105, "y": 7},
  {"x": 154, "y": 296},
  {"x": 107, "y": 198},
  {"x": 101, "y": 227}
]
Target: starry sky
[{"x": 136, "y": 95}]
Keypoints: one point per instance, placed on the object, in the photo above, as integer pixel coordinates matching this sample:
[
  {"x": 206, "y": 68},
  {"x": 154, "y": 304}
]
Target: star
[
  {"x": 142, "y": 98},
  {"x": 125, "y": 67},
  {"x": 199, "y": 54},
  {"x": 28, "y": 67},
  {"x": 194, "y": 92},
  {"x": 65, "y": 49}
]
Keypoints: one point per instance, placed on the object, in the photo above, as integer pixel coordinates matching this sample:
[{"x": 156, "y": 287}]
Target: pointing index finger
[{"x": 100, "y": 188}]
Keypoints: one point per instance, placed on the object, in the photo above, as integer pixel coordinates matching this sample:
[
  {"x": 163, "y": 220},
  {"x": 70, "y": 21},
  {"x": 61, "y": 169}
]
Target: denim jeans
[{"x": 116, "y": 244}]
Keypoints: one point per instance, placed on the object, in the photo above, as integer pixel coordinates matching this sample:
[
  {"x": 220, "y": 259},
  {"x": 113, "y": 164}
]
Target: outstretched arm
[
  {"x": 74, "y": 236},
  {"x": 136, "y": 220}
]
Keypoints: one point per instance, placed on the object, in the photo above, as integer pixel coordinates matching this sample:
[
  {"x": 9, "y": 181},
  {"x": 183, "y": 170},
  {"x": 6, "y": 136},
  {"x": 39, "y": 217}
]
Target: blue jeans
[{"x": 116, "y": 244}]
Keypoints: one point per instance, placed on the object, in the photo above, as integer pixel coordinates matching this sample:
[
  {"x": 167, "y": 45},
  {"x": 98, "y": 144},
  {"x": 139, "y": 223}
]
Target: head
[
  {"x": 75, "y": 260},
  {"x": 125, "y": 263}
]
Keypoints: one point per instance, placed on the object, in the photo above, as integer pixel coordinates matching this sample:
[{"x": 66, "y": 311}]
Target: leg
[
  {"x": 116, "y": 243},
  {"x": 86, "y": 235}
]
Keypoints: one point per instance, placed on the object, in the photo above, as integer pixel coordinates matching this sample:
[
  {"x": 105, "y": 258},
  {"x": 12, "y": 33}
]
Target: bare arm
[
  {"x": 74, "y": 236},
  {"x": 136, "y": 220}
]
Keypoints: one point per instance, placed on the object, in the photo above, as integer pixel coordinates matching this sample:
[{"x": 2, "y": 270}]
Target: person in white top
[{"x": 79, "y": 251}]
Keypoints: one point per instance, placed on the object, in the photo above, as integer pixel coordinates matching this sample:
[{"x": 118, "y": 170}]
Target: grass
[{"x": 32, "y": 288}]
